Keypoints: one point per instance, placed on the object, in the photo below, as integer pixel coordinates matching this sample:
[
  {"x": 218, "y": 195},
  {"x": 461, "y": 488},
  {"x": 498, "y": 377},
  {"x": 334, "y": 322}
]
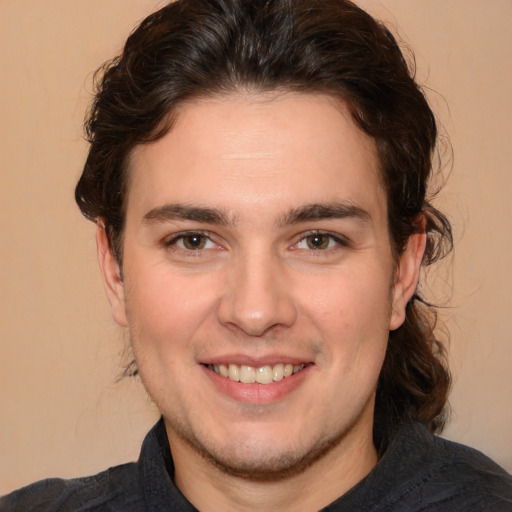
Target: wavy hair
[{"x": 198, "y": 48}]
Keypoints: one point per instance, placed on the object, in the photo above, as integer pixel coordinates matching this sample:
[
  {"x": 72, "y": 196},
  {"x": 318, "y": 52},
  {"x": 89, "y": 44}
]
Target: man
[{"x": 258, "y": 174}]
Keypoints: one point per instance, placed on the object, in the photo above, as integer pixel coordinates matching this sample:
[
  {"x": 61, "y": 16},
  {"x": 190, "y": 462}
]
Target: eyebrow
[
  {"x": 169, "y": 212},
  {"x": 321, "y": 211},
  {"x": 304, "y": 213}
]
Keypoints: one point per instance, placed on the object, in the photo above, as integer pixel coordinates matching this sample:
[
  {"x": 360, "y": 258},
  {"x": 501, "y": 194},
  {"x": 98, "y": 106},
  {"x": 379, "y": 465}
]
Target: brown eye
[
  {"x": 318, "y": 241},
  {"x": 194, "y": 242},
  {"x": 190, "y": 242}
]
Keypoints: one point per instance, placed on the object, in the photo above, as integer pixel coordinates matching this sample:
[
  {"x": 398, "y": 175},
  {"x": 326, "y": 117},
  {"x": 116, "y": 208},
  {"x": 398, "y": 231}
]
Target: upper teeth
[{"x": 260, "y": 374}]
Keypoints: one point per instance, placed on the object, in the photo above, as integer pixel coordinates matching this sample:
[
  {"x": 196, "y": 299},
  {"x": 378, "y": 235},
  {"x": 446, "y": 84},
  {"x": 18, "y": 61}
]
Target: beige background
[{"x": 62, "y": 412}]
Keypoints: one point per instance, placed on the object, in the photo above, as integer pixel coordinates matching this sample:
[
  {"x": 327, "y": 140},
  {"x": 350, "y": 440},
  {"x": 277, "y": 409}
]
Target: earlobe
[
  {"x": 110, "y": 272},
  {"x": 406, "y": 277}
]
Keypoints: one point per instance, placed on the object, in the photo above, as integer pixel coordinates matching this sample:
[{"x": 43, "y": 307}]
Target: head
[{"x": 189, "y": 52}]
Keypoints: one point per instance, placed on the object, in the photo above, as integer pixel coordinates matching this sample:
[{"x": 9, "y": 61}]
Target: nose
[{"x": 257, "y": 296}]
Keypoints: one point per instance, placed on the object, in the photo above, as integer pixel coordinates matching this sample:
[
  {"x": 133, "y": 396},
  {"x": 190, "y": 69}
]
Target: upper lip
[{"x": 255, "y": 361}]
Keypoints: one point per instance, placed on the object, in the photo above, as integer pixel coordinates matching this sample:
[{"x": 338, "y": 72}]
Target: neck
[{"x": 208, "y": 488}]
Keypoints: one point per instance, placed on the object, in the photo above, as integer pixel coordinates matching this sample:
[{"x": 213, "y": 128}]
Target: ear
[
  {"x": 111, "y": 273},
  {"x": 406, "y": 276}
]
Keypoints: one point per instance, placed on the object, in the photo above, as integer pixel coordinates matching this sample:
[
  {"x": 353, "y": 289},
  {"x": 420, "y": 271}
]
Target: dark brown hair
[{"x": 197, "y": 48}]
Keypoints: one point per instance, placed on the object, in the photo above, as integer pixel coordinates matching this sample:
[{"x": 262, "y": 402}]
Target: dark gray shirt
[{"x": 418, "y": 472}]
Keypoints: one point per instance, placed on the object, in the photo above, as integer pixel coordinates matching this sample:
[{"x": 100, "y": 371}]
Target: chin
[{"x": 259, "y": 460}]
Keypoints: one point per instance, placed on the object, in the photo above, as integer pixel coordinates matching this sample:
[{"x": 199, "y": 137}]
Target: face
[{"x": 258, "y": 281}]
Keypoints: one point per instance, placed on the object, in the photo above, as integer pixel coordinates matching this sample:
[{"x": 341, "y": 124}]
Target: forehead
[{"x": 247, "y": 152}]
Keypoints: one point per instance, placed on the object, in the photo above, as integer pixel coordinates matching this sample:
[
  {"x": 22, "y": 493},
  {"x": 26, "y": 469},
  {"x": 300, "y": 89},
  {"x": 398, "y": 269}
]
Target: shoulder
[
  {"x": 473, "y": 473},
  {"x": 445, "y": 475},
  {"x": 422, "y": 472},
  {"x": 135, "y": 487},
  {"x": 116, "y": 489}
]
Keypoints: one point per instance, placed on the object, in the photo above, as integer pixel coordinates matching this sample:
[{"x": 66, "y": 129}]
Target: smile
[{"x": 259, "y": 375}]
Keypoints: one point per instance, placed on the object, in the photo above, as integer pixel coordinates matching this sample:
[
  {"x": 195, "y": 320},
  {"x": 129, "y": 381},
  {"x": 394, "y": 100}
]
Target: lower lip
[{"x": 257, "y": 393}]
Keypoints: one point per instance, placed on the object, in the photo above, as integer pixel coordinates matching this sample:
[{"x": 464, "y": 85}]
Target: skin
[{"x": 241, "y": 173}]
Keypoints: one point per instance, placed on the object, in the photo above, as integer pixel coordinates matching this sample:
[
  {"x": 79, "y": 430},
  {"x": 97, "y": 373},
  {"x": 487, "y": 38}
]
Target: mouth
[{"x": 256, "y": 374}]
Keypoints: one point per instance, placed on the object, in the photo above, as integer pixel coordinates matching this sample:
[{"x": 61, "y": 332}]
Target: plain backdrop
[{"x": 63, "y": 411}]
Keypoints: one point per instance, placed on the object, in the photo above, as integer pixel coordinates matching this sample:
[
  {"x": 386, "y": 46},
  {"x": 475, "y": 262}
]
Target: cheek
[
  {"x": 351, "y": 318},
  {"x": 350, "y": 299},
  {"x": 166, "y": 306}
]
